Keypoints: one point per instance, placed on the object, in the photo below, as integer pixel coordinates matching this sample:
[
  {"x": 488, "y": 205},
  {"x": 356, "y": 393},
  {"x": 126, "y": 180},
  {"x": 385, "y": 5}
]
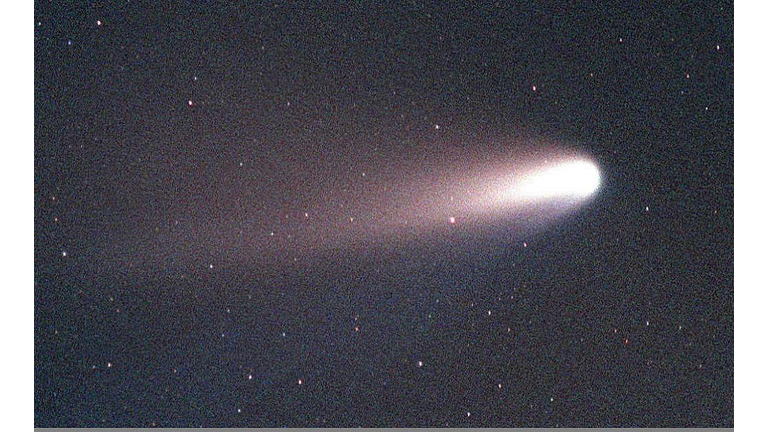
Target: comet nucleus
[{"x": 575, "y": 179}]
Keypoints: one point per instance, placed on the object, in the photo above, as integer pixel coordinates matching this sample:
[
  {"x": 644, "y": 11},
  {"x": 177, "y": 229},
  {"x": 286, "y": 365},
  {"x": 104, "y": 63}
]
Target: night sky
[{"x": 278, "y": 214}]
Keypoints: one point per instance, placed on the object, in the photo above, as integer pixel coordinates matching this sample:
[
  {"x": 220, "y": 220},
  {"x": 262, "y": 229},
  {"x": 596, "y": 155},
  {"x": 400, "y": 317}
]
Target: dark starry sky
[{"x": 221, "y": 193}]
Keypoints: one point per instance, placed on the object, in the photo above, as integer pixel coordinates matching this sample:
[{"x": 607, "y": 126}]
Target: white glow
[{"x": 577, "y": 179}]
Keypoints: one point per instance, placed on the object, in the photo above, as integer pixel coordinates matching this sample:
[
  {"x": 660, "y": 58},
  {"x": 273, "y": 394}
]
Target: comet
[{"x": 438, "y": 195}]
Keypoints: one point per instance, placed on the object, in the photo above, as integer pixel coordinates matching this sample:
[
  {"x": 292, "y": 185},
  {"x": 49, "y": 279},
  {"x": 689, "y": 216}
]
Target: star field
[{"x": 280, "y": 215}]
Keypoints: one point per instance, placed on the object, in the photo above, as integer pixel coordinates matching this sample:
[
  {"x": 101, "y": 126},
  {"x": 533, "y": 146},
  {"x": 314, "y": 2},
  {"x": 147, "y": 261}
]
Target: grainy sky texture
[{"x": 287, "y": 214}]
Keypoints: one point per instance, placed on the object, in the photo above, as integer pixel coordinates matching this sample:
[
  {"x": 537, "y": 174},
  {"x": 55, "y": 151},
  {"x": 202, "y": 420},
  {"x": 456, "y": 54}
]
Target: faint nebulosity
[{"x": 309, "y": 214}]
